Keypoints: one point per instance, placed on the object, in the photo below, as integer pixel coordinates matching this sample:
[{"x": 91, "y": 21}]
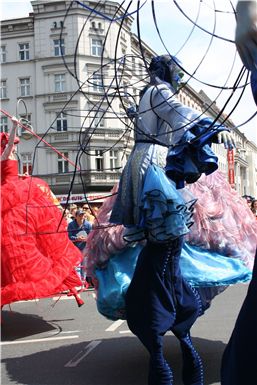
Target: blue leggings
[{"x": 158, "y": 300}]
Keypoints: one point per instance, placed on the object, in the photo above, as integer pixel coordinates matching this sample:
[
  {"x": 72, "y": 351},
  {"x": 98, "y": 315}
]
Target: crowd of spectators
[{"x": 79, "y": 223}]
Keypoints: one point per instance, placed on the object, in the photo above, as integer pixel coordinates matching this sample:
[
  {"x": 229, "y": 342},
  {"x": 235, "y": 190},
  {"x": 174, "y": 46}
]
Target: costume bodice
[{"x": 162, "y": 117}]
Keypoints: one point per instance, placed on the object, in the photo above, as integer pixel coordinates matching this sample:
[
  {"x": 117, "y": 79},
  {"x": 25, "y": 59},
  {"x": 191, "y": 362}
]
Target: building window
[
  {"x": 99, "y": 160},
  {"x": 25, "y": 87},
  {"x": 24, "y": 51},
  {"x": 140, "y": 69},
  {"x": 59, "y": 83},
  {"x": 3, "y": 54},
  {"x": 3, "y": 124},
  {"x": 63, "y": 165},
  {"x": 113, "y": 159},
  {"x": 133, "y": 64},
  {"x": 59, "y": 48},
  {"x": 126, "y": 122},
  {"x": 3, "y": 89},
  {"x": 98, "y": 120},
  {"x": 61, "y": 122},
  {"x": 125, "y": 88},
  {"x": 96, "y": 47},
  {"x": 97, "y": 83},
  {"x": 26, "y": 161}
]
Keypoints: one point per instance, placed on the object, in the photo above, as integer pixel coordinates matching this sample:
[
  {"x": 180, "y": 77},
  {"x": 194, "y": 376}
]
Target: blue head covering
[{"x": 166, "y": 68}]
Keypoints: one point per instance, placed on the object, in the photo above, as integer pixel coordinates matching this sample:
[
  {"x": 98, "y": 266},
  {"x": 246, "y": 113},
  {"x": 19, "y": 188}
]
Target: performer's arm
[
  {"x": 166, "y": 106},
  {"x": 246, "y": 33},
  {"x": 9, "y": 149},
  {"x": 182, "y": 118}
]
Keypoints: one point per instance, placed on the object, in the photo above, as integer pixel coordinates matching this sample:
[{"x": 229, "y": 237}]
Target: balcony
[
  {"x": 62, "y": 136},
  {"x": 102, "y": 134},
  {"x": 240, "y": 157},
  {"x": 60, "y": 179},
  {"x": 99, "y": 180},
  {"x": 106, "y": 133}
]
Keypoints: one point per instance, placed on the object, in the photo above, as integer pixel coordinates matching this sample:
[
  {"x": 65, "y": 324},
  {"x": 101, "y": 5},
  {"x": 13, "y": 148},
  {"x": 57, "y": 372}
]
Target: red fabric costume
[{"x": 38, "y": 259}]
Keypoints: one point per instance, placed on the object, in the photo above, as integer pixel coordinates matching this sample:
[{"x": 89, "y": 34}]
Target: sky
[{"x": 219, "y": 62}]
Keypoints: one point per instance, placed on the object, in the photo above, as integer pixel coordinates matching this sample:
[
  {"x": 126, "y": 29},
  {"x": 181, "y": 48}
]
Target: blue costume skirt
[
  {"x": 200, "y": 268},
  {"x": 165, "y": 214}
]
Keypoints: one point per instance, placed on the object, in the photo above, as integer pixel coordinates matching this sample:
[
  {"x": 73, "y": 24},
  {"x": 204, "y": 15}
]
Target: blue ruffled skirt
[
  {"x": 201, "y": 269},
  {"x": 164, "y": 213}
]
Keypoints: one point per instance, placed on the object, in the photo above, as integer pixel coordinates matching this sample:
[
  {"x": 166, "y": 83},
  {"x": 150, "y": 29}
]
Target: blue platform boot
[{"x": 192, "y": 372}]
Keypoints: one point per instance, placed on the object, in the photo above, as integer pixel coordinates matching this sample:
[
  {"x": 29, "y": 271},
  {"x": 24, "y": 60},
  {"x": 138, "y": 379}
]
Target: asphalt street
[{"x": 53, "y": 342}]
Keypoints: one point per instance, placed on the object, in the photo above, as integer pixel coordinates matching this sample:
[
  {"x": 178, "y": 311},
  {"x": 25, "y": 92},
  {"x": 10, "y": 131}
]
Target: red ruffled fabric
[{"x": 38, "y": 259}]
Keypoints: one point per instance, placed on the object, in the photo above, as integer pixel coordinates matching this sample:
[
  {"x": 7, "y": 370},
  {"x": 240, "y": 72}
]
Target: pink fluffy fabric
[
  {"x": 222, "y": 220},
  {"x": 222, "y": 223}
]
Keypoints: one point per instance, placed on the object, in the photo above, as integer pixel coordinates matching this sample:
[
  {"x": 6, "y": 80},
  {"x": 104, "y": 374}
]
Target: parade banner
[{"x": 231, "y": 167}]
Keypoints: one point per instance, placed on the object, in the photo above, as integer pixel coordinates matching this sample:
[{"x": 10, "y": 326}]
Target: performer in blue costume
[
  {"x": 240, "y": 356},
  {"x": 150, "y": 207},
  {"x": 151, "y": 280}
]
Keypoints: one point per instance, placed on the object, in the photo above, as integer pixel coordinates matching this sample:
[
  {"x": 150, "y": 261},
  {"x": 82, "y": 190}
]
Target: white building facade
[{"x": 40, "y": 55}]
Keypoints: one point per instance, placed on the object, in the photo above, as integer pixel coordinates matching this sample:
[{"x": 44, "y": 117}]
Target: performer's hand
[
  {"x": 226, "y": 138},
  {"x": 15, "y": 121},
  {"x": 246, "y": 33}
]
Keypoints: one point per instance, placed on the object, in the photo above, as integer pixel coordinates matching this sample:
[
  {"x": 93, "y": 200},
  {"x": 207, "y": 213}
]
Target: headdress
[{"x": 167, "y": 68}]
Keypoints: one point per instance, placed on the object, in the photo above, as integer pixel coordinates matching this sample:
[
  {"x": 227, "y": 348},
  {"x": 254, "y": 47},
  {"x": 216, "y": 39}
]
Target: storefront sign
[{"x": 80, "y": 198}]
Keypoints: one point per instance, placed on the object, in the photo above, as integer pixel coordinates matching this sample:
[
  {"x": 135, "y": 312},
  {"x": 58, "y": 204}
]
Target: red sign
[
  {"x": 80, "y": 198},
  {"x": 231, "y": 167}
]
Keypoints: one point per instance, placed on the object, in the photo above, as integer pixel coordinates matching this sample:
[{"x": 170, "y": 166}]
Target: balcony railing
[
  {"x": 241, "y": 159},
  {"x": 90, "y": 178},
  {"x": 75, "y": 136}
]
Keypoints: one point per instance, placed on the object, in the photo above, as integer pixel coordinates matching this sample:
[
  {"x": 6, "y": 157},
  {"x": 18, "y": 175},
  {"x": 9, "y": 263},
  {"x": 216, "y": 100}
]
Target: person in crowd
[
  {"x": 248, "y": 200},
  {"x": 73, "y": 208},
  {"x": 78, "y": 229},
  {"x": 95, "y": 210},
  {"x": 239, "y": 358},
  {"x": 88, "y": 213},
  {"x": 67, "y": 216},
  {"x": 254, "y": 207}
]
